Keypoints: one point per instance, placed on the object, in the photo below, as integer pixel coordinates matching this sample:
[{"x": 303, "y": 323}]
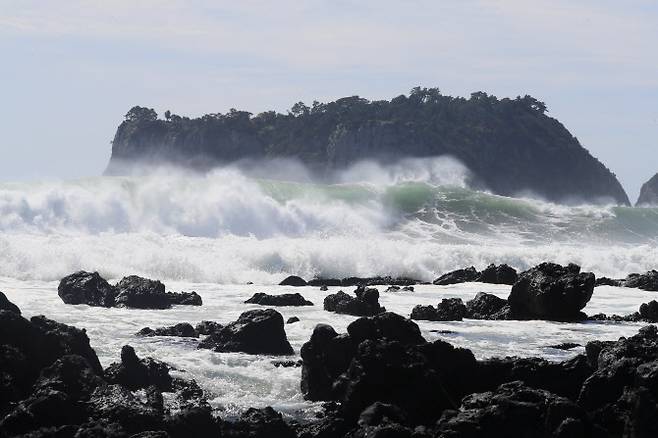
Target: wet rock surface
[
  {"x": 254, "y": 332},
  {"x": 183, "y": 330},
  {"x": 279, "y": 300},
  {"x": 131, "y": 292},
  {"x": 365, "y": 303},
  {"x": 449, "y": 309},
  {"x": 552, "y": 292}
]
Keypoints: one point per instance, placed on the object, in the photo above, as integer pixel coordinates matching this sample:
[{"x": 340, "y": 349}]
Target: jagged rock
[
  {"x": 605, "y": 281},
  {"x": 324, "y": 288},
  {"x": 648, "y": 193},
  {"x": 647, "y": 281},
  {"x": 449, "y": 309},
  {"x": 426, "y": 313},
  {"x": 325, "y": 282},
  {"x": 293, "y": 280},
  {"x": 561, "y": 378},
  {"x": 393, "y": 289},
  {"x": 287, "y": 363},
  {"x": 633, "y": 317},
  {"x": 58, "y": 397},
  {"x": 279, "y": 300},
  {"x": 184, "y": 298},
  {"x": 258, "y": 423},
  {"x": 292, "y": 320},
  {"x": 116, "y": 404},
  {"x": 552, "y": 292},
  {"x": 208, "y": 327},
  {"x": 7, "y": 305},
  {"x": 487, "y": 306},
  {"x": 61, "y": 339},
  {"x": 623, "y": 387},
  {"x": 366, "y": 302},
  {"x": 134, "y": 373},
  {"x": 183, "y": 330},
  {"x": 565, "y": 346},
  {"x": 649, "y": 311},
  {"x": 325, "y": 356},
  {"x": 515, "y": 410},
  {"x": 501, "y": 274},
  {"x": 258, "y": 331},
  {"x": 421, "y": 379},
  {"x": 86, "y": 288},
  {"x": 458, "y": 276},
  {"x": 141, "y": 293},
  {"x": 387, "y": 325}
]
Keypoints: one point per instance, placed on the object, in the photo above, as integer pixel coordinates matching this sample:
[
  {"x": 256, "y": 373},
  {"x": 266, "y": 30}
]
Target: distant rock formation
[
  {"x": 649, "y": 193},
  {"x": 510, "y": 146}
]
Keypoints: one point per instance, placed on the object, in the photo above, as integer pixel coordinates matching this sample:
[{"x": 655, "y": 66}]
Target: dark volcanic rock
[
  {"x": 208, "y": 327},
  {"x": 550, "y": 291},
  {"x": 449, "y": 309},
  {"x": 564, "y": 346},
  {"x": 647, "y": 281},
  {"x": 58, "y": 397},
  {"x": 458, "y": 276},
  {"x": 61, "y": 339},
  {"x": 279, "y": 300},
  {"x": 292, "y": 320},
  {"x": 7, "y": 305},
  {"x": 366, "y": 302},
  {"x": 515, "y": 410},
  {"x": 141, "y": 293},
  {"x": 325, "y": 282},
  {"x": 116, "y": 404},
  {"x": 258, "y": 423},
  {"x": 622, "y": 394},
  {"x": 605, "y": 281},
  {"x": 184, "y": 298},
  {"x": 86, "y": 288},
  {"x": 254, "y": 332},
  {"x": 501, "y": 274},
  {"x": 649, "y": 311},
  {"x": 183, "y": 330},
  {"x": 135, "y": 373},
  {"x": 487, "y": 306},
  {"x": 648, "y": 193},
  {"x": 293, "y": 280},
  {"x": 325, "y": 356}
]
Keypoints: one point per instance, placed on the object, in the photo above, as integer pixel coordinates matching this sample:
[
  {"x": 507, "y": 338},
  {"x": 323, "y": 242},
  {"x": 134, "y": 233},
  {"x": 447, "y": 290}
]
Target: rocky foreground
[{"x": 380, "y": 379}]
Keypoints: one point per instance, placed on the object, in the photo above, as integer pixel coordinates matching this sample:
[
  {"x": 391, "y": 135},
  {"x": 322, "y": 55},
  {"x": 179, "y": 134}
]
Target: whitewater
[{"x": 218, "y": 231}]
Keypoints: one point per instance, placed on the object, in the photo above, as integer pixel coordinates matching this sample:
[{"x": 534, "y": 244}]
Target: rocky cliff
[
  {"x": 649, "y": 193},
  {"x": 510, "y": 145}
]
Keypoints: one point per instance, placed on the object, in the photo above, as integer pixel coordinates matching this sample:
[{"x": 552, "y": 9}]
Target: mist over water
[{"x": 262, "y": 221}]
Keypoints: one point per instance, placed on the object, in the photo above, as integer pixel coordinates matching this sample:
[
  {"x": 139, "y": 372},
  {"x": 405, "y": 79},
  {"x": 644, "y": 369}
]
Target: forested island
[{"x": 511, "y": 146}]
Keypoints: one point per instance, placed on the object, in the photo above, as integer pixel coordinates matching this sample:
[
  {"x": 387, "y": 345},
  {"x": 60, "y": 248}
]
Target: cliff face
[
  {"x": 510, "y": 145},
  {"x": 649, "y": 193}
]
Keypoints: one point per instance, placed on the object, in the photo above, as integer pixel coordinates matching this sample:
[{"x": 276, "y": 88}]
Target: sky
[{"x": 71, "y": 69}]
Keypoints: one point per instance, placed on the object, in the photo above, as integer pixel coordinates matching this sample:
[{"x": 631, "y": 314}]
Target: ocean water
[{"x": 215, "y": 232}]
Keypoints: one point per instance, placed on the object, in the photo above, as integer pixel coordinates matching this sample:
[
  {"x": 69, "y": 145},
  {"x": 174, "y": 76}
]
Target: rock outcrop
[
  {"x": 550, "y": 291},
  {"x": 182, "y": 330},
  {"x": 365, "y": 303},
  {"x": 449, "y": 309},
  {"x": 648, "y": 193},
  {"x": 133, "y": 292},
  {"x": 254, "y": 332},
  {"x": 282, "y": 300},
  {"x": 509, "y": 145}
]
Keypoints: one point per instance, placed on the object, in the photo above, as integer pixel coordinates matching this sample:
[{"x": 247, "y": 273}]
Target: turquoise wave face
[{"x": 461, "y": 214}]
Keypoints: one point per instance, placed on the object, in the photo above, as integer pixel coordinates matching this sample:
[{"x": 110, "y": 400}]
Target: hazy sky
[{"x": 71, "y": 69}]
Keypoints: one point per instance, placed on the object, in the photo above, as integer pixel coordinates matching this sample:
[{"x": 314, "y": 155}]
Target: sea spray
[{"x": 227, "y": 226}]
